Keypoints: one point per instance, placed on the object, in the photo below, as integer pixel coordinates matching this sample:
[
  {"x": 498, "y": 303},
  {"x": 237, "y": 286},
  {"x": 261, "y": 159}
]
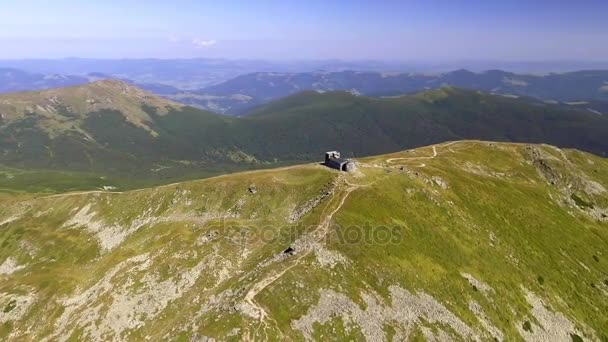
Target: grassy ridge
[{"x": 497, "y": 212}]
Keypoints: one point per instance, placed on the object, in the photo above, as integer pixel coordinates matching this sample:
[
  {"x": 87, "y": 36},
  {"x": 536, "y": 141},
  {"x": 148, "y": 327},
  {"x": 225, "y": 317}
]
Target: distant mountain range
[
  {"x": 239, "y": 95},
  {"x": 13, "y": 80},
  {"x": 16, "y": 80},
  {"x": 192, "y": 73},
  {"x": 114, "y": 128}
]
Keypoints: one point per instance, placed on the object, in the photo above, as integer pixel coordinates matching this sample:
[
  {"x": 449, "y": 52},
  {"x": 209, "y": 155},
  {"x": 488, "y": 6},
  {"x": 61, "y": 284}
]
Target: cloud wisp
[{"x": 202, "y": 43}]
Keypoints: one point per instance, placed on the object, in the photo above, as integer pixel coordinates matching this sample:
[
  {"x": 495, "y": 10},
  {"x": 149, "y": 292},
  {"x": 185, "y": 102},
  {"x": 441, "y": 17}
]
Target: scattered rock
[
  {"x": 552, "y": 326},
  {"x": 14, "y": 306},
  {"x": 205, "y": 238},
  {"x": 9, "y": 266},
  {"x": 495, "y": 333},
  {"x": 484, "y": 288},
  {"x": 493, "y": 239},
  {"x": 248, "y": 310},
  {"x": 328, "y": 258},
  {"x": 298, "y": 213},
  {"x": 542, "y": 161},
  {"x": 109, "y": 235},
  {"x": 439, "y": 181},
  {"x": 482, "y": 170},
  {"x": 593, "y": 188},
  {"x": 405, "y": 312},
  {"x": 129, "y": 307},
  {"x": 9, "y": 220},
  {"x": 28, "y": 248},
  {"x": 350, "y": 166}
]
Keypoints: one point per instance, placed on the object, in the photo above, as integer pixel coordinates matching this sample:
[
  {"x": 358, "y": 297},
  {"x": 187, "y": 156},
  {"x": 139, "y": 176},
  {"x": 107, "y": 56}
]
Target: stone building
[{"x": 333, "y": 160}]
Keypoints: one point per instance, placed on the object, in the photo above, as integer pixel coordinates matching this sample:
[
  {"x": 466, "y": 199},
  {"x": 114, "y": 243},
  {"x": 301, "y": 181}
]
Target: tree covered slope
[
  {"x": 465, "y": 240},
  {"x": 114, "y": 130}
]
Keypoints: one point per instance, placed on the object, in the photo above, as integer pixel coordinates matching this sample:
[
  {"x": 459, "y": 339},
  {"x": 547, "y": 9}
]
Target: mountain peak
[
  {"x": 113, "y": 87},
  {"x": 111, "y": 82},
  {"x": 75, "y": 103}
]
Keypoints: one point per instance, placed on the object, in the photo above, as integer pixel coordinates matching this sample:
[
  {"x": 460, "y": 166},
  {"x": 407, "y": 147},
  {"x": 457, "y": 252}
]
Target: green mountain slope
[
  {"x": 459, "y": 241},
  {"x": 362, "y": 125},
  {"x": 108, "y": 130},
  {"x": 117, "y": 131}
]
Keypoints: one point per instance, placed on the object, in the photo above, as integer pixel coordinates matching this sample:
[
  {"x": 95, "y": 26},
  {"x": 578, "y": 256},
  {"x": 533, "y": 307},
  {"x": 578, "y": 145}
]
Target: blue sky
[{"x": 404, "y": 30}]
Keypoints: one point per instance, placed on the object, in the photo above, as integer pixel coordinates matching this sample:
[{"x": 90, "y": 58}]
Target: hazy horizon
[{"x": 402, "y": 31}]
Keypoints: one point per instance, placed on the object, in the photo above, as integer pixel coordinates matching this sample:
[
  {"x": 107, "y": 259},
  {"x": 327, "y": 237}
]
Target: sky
[{"x": 431, "y": 30}]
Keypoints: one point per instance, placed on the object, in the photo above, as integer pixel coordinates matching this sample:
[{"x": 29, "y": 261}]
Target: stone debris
[
  {"x": 109, "y": 235},
  {"x": 29, "y": 248},
  {"x": 327, "y": 258},
  {"x": 542, "y": 162},
  {"x": 593, "y": 188},
  {"x": 201, "y": 338},
  {"x": 237, "y": 207},
  {"x": 406, "y": 311},
  {"x": 248, "y": 310},
  {"x": 9, "y": 220},
  {"x": 43, "y": 213},
  {"x": 493, "y": 239},
  {"x": 80, "y": 301},
  {"x": 495, "y": 333},
  {"x": 14, "y": 306},
  {"x": 112, "y": 235},
  {"x": 599, "y": 214},
  {"x": 128, "y": 308},
  {"x": 298, "y": 213},
  {"x": 591, "y": 210},
  {"x": 432, "y": 336},
  {"x": 440, "y": 182},
  {"x": 9, "y": 266},
  {"x": 552, "y": 326},
  {"x": 205, "y": 238},
  {"x": 572, "y": 184},
  {"x": 482, "y": 287},
  {"x": 482, "y": 170}
]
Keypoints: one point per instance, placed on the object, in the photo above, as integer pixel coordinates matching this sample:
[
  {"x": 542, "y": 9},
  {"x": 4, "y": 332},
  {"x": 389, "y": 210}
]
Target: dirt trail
[
  {"x": 390, "y": 160},
  {"x": 316, "y": 236}
]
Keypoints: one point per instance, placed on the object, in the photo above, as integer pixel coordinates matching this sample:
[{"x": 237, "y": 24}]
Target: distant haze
[{"x": 432, "y": 30}]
